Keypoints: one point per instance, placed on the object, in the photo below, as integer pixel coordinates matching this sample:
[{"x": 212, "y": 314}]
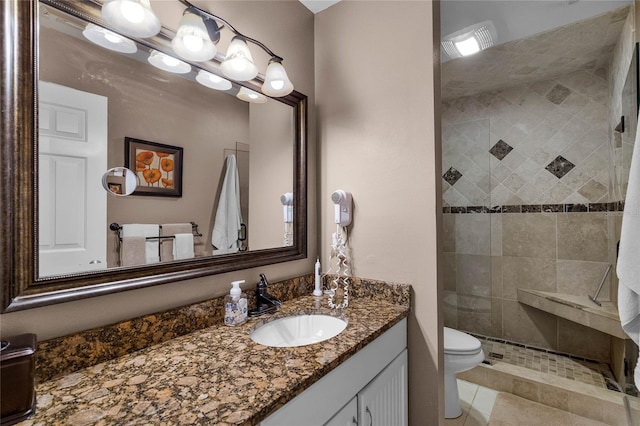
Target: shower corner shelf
[{"x": 578, "y": 309}]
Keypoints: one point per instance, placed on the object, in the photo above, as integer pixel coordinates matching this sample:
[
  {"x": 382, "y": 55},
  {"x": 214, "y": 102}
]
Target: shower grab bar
[{"x": 594, "y": 298}]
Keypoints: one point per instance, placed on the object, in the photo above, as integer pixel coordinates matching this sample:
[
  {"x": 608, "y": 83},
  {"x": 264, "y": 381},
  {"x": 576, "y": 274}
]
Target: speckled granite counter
[{"x": 215, "y": 375}]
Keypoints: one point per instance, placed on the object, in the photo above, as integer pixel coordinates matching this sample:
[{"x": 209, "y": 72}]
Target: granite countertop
[{"x": 216, "y": 375}]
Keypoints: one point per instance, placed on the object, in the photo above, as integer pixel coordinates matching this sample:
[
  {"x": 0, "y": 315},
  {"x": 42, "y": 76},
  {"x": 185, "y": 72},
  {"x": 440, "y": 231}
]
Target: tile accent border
[
  {"x": 64, "y": 355},
  {"x": 616, "y": 206}
]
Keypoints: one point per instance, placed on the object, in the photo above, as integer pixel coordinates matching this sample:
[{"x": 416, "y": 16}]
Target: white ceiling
[{"x": 318, "y": 5}]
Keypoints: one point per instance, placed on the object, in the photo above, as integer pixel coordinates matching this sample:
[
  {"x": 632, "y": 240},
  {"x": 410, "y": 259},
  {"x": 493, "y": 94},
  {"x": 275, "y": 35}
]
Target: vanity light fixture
[
  {"x": 108, "y": 39},
  {"x": 134, "y": 18},
  {"x": 469, "y": 40},
  {"x": 249, "y": 95},
  {"x": 168, "y": 63},
  {"x": 212, "y": 81},
  {"x": 238, "y": 64},
  {"x": 196, "y": 37}
]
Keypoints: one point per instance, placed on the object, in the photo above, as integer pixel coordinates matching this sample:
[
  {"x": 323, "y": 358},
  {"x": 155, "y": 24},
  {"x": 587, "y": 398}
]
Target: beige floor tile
[{"x": 510, "y": 410}]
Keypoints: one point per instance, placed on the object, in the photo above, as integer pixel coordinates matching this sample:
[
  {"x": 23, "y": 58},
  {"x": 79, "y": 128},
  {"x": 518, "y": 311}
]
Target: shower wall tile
[
  {"x": 449, "y": 271},
  {"x": 518, "y": 132},
  {"x": 529, "y": 325},
  {"x": 496, "y": 234},
  {"x": 450, "y": 309},
  {"x": 473, "y": 275},
  {"x": 449, "y": 233},
  {"x": 579, "y": 340},
  {"x": 473, "y": 234},
  {"x": 474, "y": 314},
  {"x": 529, "y": 235},
  {"x": 582, "y": 278},
  {"x": 583, "y": 236},
  {"x": 496, "y": 318},
  {"x": 496, "y": 276},
  {"x": 527, "y": 272}
]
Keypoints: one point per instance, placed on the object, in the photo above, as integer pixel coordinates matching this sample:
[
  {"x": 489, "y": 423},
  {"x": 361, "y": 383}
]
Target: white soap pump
[{"x": 235, "y": 305}]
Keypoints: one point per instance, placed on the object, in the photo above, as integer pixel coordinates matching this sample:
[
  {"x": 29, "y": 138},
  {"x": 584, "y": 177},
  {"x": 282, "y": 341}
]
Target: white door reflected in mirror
[{"x": 119, "y": 181}]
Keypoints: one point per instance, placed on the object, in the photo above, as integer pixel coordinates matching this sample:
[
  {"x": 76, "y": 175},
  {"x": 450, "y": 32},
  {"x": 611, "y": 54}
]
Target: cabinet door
[
  {"x": 384, "y": 402},
  {"x": 347, "y": 416}
]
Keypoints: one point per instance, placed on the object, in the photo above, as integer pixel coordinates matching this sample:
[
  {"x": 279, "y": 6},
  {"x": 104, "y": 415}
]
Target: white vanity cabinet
[{"x": 369, "y": 388}]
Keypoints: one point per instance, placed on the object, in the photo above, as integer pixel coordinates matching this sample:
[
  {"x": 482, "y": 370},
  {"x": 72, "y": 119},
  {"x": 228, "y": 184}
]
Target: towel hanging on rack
[
  {"x": 167, "y": 246},
  {"x": 151, "y": 252},
  {"x": 228, "y": 218},
  {"x": 183, "y": 246}
]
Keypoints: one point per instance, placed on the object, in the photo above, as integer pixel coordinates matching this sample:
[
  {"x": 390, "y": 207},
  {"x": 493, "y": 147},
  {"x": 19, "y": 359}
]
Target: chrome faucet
[{"x": 265, "y": 303}]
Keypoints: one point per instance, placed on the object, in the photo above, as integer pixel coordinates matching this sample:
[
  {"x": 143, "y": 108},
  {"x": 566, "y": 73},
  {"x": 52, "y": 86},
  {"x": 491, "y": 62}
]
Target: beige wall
[
  {"x": 375, "y": 82},
  {"x": 273, "y": 23}
]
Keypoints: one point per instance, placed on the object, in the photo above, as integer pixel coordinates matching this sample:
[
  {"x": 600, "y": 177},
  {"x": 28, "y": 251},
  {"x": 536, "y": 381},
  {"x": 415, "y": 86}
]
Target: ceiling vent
[{"x": 469, "y": 40}]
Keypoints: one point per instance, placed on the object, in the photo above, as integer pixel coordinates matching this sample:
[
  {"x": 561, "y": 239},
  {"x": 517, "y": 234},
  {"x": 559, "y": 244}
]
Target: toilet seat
[{"x": 459, "y": 343}]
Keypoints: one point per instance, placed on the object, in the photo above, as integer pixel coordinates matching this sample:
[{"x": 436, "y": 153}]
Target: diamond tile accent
[
  {"x": 560, "y": 166},
  {"x": 500, "y": 149},
  {"x": 558, "y": 94},
  {"x": 452, "y": 176}
]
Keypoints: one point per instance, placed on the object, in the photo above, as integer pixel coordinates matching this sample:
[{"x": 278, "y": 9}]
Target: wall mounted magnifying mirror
[
  {"x": 119, "y": 181},
  {"x": 55, "y": 81}
]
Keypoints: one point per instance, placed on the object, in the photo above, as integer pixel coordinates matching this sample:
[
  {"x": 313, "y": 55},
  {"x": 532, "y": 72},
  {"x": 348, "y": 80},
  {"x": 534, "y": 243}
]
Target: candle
[{"x": 318, "y": 289}]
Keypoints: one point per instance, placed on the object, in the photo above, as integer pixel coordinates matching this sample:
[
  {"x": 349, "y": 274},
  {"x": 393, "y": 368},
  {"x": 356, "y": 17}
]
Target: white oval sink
[{"x": 298, "y": 330}]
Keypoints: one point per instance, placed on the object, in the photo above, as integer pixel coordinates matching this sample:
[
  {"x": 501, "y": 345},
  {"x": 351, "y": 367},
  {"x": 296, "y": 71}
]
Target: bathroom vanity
[{"x": 218, "y": 375}]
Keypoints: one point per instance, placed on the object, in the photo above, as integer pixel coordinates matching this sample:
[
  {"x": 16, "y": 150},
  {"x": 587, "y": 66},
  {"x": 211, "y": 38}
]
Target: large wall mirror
[{"x": 72, "y": 110}]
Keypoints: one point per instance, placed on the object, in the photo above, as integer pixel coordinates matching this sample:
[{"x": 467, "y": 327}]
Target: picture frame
[
  {"x": 115, "y": 188},
  {"x": 158, "y": 167}
]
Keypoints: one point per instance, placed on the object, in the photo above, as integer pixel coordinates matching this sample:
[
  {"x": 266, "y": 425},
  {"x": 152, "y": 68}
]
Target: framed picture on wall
[{"x": 158, "y": 167}]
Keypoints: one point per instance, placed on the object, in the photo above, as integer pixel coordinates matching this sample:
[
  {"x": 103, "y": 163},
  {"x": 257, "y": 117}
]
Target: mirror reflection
[
  {"x": 92, "y": 100},
  {"x": 119, "y": 181}
]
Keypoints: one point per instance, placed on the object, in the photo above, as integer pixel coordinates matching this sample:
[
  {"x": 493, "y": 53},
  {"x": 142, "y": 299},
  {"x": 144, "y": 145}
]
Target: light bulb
[
  {"x": 132, "y": 11},
  {"x": 113, "y": 38},
  {"x": 172, "y": 62},
  {"x": 238, "y": 64},
  {"x": 249, "y": 95},
  {"x": 193, "y": 43},
  {"x": 108, "y": 39},
  {"x": 168, "y": 63},
  {"x": 276, "y": 81},
  {"x": 212, "y": 81},
  {"x": 134, "y": 18}
]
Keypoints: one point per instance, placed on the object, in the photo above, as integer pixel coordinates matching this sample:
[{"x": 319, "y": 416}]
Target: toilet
[{"x": 462, "y": 352}]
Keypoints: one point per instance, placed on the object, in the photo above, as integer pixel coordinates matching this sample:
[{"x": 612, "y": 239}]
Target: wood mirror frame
[{"x": 21, "y": 287}]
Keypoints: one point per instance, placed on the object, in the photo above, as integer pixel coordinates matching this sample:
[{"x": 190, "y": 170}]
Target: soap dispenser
[{"x": 235, "y": 305}]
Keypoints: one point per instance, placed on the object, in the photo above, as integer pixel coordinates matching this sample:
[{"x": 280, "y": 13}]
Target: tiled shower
[{"x": 531, "y": 192}]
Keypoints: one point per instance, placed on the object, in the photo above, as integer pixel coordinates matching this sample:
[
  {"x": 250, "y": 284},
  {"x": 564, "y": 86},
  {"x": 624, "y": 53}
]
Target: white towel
[
  {"x": 144, "y": 230},
  {"x": 628, "y": 268},
  {"x": 228, "y": 215},
  {"x": 183, "y": 246}
]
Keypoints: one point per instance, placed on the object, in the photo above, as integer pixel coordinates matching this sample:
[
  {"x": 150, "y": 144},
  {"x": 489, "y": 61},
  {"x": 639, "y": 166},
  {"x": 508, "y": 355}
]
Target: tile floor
[
  {"x": 477, "y": 404},
  {"x": 584, "y": 371}
]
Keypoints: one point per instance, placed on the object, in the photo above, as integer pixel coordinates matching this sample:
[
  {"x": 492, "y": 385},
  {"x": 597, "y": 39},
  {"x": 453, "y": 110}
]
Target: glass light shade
[
  {"x": 212, "y": 81},
  {"x": 238, "y": 64},
  {"x": 134, "y": 18},
  {"x": 276, "y": 82},
  {"x": 249, "y": 95},
  {"x": 108, "y": 39},
  {"x": 192, "y": 41},
  {"x": 168, "y": 63}
]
